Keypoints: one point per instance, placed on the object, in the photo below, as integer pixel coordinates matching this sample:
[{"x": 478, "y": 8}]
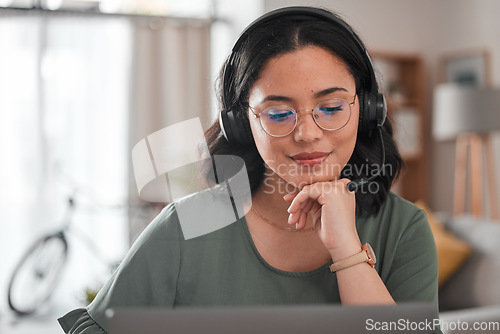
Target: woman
[{"x": 301, "y": 107}]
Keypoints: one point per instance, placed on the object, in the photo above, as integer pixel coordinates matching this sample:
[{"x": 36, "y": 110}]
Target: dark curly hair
[{"x": 283, "y": 35}]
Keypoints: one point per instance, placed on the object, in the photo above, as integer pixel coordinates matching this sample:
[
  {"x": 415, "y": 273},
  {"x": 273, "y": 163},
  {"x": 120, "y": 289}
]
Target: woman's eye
[
  {"x": 329, "y": 110},
  {"x": 280, "y": 116}
]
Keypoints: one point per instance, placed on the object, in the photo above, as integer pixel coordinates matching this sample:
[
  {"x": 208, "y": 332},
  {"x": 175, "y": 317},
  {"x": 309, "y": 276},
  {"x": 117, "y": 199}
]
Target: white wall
[
  {"x": 232, "y": 17},
  {"x": 382, "y": 24},
  {"x": 462, "y": 25},
  {"x": 430, "y": 28}
]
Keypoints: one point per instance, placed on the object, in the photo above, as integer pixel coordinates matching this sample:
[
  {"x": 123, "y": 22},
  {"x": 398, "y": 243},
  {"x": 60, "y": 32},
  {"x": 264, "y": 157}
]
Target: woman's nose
[{"x": 307, "y": 130}]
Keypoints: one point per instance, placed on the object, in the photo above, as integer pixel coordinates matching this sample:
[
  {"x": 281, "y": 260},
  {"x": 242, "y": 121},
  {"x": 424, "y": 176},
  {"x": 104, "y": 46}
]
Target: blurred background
[{"x": 83, "y": 81}]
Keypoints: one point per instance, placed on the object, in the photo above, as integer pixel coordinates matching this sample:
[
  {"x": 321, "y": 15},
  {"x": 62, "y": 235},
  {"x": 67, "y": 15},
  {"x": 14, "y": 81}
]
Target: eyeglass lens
[{"x": 329, "y": 115}]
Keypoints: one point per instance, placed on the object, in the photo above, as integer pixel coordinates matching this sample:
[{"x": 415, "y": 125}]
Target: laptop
[{"x": 297, "y": 319}]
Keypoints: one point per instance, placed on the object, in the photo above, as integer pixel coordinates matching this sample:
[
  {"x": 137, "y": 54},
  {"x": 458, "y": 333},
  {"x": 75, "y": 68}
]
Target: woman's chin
[{"x": 301, "y": 182}]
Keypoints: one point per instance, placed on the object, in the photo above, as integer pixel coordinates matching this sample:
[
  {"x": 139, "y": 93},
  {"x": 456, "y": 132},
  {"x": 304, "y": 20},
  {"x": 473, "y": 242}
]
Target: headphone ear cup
[
  {"x": 235, "y": 128},
  {"x": 381, "y": 109},
  {"x": 247, "y": 132},
  {"x": 372, "y": 111},
  {"x": 225, "y": 126},
  {"x": 362, "y": 116}
]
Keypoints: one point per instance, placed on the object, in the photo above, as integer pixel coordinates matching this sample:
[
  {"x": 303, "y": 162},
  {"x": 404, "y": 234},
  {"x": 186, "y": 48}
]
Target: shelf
[
  {"x": 394, "y": 104},
  {"x": 413, "y": 158},
  {"x": 401, "y": 79}
]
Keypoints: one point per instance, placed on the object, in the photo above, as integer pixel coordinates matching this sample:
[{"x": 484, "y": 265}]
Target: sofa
[{"x": 469, "y": 272}]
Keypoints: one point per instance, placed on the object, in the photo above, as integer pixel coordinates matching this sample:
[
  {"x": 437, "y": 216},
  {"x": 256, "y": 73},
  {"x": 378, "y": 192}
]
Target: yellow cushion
[{"x": 451, "y": 251}]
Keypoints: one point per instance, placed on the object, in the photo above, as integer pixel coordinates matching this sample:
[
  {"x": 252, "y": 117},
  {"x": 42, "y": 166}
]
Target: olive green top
[{"x": 223, "y": 267}]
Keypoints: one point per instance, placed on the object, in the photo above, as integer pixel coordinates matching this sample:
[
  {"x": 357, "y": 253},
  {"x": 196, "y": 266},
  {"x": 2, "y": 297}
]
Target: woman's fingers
[
  {"x": 302, "y": 203},
  {"x": 303, "y": 214},
  {"x": 289, "y": 197},
  {"x": 308, "y": 192},
  {"x": 318, "y": 194},
  {"x": 300, "y": 214}
]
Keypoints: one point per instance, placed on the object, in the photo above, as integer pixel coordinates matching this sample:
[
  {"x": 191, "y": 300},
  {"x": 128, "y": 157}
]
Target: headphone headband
[
  {"x": 372, "y": 104},
  {"x": 298, "y": 13}
]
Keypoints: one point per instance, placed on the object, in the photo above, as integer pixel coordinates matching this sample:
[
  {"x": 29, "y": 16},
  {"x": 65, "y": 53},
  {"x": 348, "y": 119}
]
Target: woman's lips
[{"x": 310, "y": 159}]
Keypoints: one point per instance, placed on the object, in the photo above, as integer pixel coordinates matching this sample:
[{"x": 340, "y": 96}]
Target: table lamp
[{"x": 468, "y": 116}]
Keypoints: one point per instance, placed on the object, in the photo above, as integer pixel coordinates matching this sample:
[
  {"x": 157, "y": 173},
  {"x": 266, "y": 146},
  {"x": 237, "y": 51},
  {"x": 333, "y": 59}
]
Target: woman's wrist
[{"x": 345, "y": 250}]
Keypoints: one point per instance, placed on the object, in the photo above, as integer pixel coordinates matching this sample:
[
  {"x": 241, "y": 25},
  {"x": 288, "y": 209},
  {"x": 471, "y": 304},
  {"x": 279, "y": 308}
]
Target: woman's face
[{"x": 301, "y": 79}]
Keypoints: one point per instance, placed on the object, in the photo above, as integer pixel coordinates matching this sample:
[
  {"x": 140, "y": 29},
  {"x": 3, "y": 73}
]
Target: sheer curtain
[
  {"x": 64, "y": 82},
  {"x": 171, "y": 81},
  {"x": 76, "y": 93}
]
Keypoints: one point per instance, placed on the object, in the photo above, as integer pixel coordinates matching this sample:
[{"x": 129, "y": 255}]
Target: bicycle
[{"x": 37, "y": 273}]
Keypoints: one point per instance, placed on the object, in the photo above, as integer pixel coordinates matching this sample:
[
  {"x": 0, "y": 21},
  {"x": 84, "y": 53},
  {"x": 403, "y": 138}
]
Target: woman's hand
[{"x": 333, "y": 210}]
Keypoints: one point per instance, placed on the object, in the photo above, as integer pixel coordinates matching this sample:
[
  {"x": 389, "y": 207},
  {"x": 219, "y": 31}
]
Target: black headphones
[{"x": 373, "y": 108}]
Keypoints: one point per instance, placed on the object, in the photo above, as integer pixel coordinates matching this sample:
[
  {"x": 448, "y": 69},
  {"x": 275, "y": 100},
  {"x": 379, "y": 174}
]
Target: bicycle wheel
[{"x": 37, "y": 273}]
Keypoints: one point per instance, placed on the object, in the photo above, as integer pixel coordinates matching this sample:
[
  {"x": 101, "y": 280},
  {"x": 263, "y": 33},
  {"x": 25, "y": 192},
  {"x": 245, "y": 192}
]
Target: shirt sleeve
[
  {"x": 147, "y": 277},
  {"x": 79, "y": 321},
  {"x": 413, "y": 275},
  {"x": 414, "y": 269}
]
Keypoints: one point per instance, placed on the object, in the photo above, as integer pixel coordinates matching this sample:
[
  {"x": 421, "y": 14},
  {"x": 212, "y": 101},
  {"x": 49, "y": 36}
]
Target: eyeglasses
[{"x": 281, "y": 120}]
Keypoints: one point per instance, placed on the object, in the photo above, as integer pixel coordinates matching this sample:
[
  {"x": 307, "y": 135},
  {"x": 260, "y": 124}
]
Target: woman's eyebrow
[
  {"x": 276, "y": 98},
  {"x": 327, "y": 91},
  {"x": 321, "y": 93}
]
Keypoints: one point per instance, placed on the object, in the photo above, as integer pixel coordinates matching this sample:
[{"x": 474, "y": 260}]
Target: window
[
  {"x": 64, "y": 130},
  {"x": 174, "y": 8}
]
